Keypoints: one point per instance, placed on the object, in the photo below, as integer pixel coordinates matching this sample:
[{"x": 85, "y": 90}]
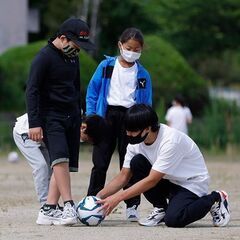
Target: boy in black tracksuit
[{"x": 53, "y": 105}]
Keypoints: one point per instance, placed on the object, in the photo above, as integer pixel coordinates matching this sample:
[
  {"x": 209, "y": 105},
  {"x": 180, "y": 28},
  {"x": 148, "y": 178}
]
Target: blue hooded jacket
[{"x": 97, "y": 91}]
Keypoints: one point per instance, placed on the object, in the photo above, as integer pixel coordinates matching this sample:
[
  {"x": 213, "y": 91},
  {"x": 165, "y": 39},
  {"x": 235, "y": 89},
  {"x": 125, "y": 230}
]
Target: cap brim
[{"x": 85, "y": 45}]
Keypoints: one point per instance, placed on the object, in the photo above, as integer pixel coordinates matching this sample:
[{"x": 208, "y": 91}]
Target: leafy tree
[
  {"x": 199, "y": 27},
  {"x": 115, "y": 16},
  {"x": 205, "y": 32},
  {"x": 53, "y": 13}
]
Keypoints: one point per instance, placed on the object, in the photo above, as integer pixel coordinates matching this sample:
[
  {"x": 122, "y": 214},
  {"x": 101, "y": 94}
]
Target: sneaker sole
[
  {"x": 47, "y": 221},
  {"x": 146, "y": 225},
  {"x": 68, "y": 221}
]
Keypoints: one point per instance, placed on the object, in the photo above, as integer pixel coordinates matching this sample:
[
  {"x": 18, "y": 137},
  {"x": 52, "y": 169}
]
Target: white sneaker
[
  {"x": 155, "y": 218},
  {"x": 49, "y": 217},
  {"x": 220, "y": 211},
  {"x": 69, "y": 215},
  {"x": 132, "y": 214}
]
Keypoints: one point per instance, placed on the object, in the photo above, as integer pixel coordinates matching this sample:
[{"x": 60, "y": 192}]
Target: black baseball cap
[{"x": 77, "y": 31}]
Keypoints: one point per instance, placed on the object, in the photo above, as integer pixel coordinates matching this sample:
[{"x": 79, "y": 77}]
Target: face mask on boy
[
  {"x": 70, "y": 51},
  {"x": 129, "y": 56},
  {"x": 137, "y": 139}
]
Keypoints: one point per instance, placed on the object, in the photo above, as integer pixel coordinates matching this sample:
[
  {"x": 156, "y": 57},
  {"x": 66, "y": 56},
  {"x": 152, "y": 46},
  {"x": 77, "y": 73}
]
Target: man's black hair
[
  {"x": 139, "y": 117},
  {"x": 96, "y": 127}
]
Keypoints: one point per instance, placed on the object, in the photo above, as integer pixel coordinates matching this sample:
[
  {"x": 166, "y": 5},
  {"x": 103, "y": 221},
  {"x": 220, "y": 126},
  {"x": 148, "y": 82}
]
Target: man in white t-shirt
[
  {"x": 179, "y": 116},
  {"x": 169, "y": 169}
]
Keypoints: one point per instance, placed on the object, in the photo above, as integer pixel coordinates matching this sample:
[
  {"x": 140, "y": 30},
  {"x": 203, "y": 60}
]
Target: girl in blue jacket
[{"x": 117, "y": 84}]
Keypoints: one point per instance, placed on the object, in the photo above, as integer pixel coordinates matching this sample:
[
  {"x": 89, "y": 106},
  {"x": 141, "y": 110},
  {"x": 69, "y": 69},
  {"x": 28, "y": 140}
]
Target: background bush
[
  {"x": 172, "y": 75},
  {"x": 218, "y": 127},
  {"x": 14, "y": 69}
]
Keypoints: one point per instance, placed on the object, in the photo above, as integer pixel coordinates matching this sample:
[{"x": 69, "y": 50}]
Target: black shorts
[{"x": 61, "y": 134}]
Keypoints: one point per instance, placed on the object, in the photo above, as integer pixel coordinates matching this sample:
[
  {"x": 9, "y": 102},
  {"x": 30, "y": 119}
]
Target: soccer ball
[
  {"x": 88, "y": 211},
  {"x": 13, "y": 157}
]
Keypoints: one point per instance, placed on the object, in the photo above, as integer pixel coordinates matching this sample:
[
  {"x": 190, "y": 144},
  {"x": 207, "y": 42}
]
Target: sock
[
  {"x": 60, "y": 207},
  {"x": 69, "y": 201},
  {"x": 47, "y": 207}
]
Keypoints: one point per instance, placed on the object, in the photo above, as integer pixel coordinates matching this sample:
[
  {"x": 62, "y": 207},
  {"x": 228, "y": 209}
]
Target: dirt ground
[{"x": 19, "y": 207}]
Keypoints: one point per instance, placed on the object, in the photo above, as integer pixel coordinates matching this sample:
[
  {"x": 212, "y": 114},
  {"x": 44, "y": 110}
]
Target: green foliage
[
  {"x": 14, "y": 65},
  {"x": 218, "y": 127},
  {"x": 161, "y": 110},
  {"x": 203, "y": 31},
  {"x": 53, "y": 13},
  {"x": 6, "y": 125},
  {"x": 196, "y": 26},
  {"x": 115, "y": 16},
  {"x": 14, "y": 69},
  {"x": 58, "y": 11},
  {"x": 223, "y": 70},
  {"x": 171, "y": 75}
]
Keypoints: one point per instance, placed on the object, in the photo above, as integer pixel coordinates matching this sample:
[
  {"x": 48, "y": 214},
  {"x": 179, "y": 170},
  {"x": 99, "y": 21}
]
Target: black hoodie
[{"x": 53, "y": 85}]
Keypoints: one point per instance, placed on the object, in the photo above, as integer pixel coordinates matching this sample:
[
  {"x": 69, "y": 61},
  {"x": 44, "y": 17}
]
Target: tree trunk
[
  {"x": 83, "y": 10},
  {"x": 94, "y": 26}
]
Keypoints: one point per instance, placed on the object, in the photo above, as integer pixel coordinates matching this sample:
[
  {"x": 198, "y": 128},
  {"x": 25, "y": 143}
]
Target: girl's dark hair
[
  {"x": 132, "y": 33},
  {"x": 179, "y": 98},
  {"x": 96, "y": 127},
  {"x": 139, "y": 117}
]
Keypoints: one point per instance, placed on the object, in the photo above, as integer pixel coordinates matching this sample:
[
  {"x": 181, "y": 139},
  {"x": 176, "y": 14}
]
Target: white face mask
[{"x": 129, "y": 56}]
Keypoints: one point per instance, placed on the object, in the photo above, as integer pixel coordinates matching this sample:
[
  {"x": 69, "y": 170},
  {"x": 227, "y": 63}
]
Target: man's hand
[
  {"x": 36, "y": 134},
  {"x": 109, "y": 203}
]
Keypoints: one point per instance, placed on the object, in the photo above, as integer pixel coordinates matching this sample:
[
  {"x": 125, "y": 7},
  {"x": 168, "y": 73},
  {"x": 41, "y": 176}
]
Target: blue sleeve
[
  {"x": 93, "y": 90},
  {"x": 148, "y": 91}
]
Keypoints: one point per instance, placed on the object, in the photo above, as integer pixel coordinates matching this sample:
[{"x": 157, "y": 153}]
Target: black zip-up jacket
[{"x": 53, "y": 85}]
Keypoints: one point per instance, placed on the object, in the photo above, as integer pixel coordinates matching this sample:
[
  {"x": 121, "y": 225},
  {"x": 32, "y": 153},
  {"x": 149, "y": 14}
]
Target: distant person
[
  {"x": 117, "y": 84},
  {"x": 166, "y": 166},
  {"x": 54, "y": 113},
  {"x": 178, "y": 115},
  {"x": 36, "y": 155}
]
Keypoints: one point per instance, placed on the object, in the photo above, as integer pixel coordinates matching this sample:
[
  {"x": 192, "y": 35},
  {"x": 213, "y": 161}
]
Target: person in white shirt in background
[
  {"x": 37, "y": 156},
  {"x": 179, "y": 116},
  {"x": 166, "y": 166}
]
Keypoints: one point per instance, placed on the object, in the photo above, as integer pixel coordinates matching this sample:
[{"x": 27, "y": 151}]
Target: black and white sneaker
[
  {"x": 220, "y": 210},
  {"x": 49, "y": 217},
  {"x": 69, "y": 215},
  {"x": 155, "y": 218}
]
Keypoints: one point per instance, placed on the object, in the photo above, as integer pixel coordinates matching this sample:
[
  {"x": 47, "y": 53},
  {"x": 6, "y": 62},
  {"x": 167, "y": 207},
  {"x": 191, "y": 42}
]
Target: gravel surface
[{"x": 19, "y": 207}]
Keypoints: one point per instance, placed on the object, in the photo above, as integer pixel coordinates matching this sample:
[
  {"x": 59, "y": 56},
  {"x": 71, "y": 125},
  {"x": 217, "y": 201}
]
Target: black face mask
[{"x": 137, "y": 139}]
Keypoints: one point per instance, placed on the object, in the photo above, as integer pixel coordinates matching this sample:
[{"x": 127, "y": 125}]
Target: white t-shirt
[
  {"x": 21, "y": 125},
  {"x": 177, "y": 116},
  {"x": 188, "y": 113},
  {"x": 122, "y": 86},
  {"x": 177, "y": 156}
]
